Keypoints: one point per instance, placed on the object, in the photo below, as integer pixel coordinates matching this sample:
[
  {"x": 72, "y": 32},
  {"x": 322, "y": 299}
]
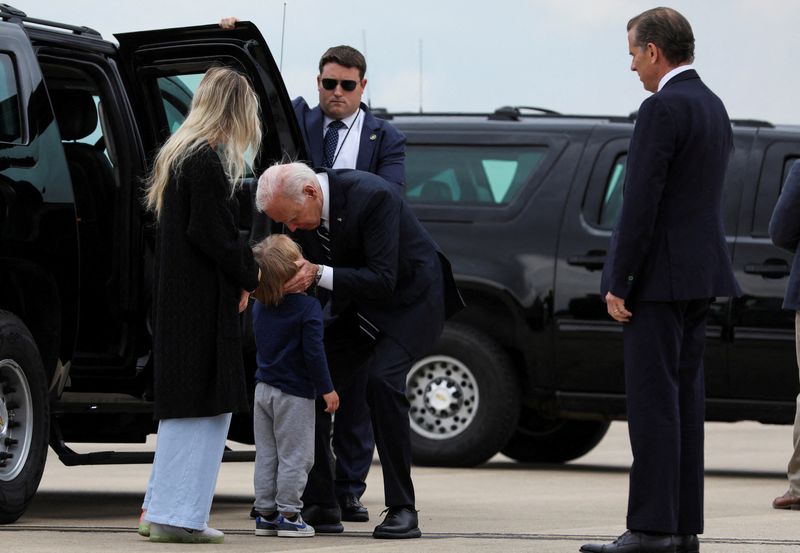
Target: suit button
[{"x": 630, "y": 278}]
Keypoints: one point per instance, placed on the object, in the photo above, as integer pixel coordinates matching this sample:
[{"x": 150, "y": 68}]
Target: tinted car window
[
  {"x": 10, "y": 129},
  {"x": 612, "y": 198},
  {"x": 488, "y": 175},
  {"x": 176, "y": 95}
]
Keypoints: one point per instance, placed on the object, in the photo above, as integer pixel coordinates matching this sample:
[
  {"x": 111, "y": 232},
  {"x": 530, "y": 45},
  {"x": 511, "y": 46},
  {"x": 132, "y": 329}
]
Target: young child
[{"x": 292, "y": 371}]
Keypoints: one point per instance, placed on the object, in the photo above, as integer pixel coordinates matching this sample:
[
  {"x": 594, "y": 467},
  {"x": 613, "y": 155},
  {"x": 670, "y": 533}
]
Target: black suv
[
  {"x": 80, "y": 119},
  {"x": 523, "y": 203}
]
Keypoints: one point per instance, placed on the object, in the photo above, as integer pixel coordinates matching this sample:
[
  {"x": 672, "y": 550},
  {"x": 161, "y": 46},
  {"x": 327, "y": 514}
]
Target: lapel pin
[
  {"x": 373, "y": 136},
  {"x": 339, "y": 219}
]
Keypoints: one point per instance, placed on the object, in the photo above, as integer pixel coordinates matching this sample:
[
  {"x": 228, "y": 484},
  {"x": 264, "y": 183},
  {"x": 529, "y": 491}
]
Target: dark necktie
[
  {"x": 324, "y": 241},
  {"x": 329, "y": 143}
]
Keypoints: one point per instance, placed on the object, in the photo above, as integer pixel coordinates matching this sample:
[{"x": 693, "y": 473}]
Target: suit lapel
[
  {"x": 314, "y": 128},
  {"x": 370, "y": 131}
]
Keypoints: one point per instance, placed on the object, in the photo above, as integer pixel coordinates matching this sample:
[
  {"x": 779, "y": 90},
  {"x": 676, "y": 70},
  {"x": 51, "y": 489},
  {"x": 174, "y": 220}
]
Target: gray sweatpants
[{"x": 283, "y": 425}]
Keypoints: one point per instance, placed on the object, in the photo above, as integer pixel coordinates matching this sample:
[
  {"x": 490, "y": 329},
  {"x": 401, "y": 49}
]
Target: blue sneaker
[
  {"x": 267, "y": 526},
  {"x": 294, "y": 528}
]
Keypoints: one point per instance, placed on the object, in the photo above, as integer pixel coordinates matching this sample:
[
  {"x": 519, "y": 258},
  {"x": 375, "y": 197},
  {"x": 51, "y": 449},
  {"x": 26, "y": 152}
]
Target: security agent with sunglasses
[
  {"x": 364, "y": 142},
  {"x": 367, "y": 144}
]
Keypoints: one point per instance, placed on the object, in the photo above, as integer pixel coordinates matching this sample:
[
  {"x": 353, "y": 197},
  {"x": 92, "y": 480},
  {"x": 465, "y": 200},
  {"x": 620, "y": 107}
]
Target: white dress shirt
[{"x": 346, "y": 153}]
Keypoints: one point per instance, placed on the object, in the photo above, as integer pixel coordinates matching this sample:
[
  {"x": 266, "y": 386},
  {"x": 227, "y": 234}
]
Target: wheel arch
[
  {"x": 30, "y": 292},
  {"x": 497, "y": 313}
]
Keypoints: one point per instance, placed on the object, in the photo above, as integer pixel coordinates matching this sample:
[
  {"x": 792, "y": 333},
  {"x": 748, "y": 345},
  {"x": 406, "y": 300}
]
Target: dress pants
[
  {"x": 793, "y": 470},
  {"x": 665, "y": 386},
  {"x": 386, "y": 370},
  {"x": 353, "y": 444},
  {"x": 347, "y": 350}
]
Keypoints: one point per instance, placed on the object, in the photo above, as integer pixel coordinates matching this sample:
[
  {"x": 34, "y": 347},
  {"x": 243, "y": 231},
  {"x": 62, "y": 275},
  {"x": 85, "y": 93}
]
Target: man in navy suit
[
  {"x": 368, "y": 144},
  {"x": 667, "y": 260},
  {"x": 784, "y": 229},
  {"x": 366, "y": 248}
]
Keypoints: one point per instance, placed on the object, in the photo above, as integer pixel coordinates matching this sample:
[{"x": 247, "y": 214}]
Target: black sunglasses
[{"x": 330, "y": 84}]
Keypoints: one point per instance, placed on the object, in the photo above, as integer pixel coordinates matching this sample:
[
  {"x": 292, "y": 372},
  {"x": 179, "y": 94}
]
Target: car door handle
[
  {"x": 771, "y": 268},
  {"x": 593, "y": 260}
]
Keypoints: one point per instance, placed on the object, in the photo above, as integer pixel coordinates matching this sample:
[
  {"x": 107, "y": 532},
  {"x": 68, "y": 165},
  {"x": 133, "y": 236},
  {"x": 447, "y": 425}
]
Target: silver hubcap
[
  {"x": 444, "y": 397},
  {"x": 16, "y": 419}
]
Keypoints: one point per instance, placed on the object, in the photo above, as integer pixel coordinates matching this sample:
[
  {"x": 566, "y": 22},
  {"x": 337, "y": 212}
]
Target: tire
[
  {"x": 25, "y": 414},
  {"x": 539, "y": 440},
  {"x": 464, "y": 400}
]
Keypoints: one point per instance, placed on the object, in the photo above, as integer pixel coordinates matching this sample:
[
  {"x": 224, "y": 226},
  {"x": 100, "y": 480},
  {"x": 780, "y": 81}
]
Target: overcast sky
[{"x": 567, "y": 55}]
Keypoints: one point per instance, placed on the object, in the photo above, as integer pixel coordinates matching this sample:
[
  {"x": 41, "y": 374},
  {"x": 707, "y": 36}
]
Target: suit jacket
[
  {"x": 385, "y": 264},
  {"x": 669, "y": 241},
  {"x": 381, "y": 150},
  {"x": 784, "y": 229}
]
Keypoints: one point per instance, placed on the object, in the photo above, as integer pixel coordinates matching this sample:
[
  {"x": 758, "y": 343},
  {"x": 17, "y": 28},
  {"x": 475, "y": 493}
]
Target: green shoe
[
  {"x": 163, "y": 533},
  {"x": 144, "y": 526}
]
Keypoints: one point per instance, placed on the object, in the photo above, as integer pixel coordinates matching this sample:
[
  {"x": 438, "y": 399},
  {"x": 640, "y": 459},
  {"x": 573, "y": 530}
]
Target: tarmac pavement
[{"x": 501, "y": 506}]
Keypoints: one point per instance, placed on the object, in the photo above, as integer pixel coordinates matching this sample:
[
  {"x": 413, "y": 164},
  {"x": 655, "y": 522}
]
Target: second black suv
[{"x": 523, "y": 204}]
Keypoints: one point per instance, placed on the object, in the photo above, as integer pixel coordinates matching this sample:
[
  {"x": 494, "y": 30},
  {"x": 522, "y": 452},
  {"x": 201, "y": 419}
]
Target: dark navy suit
[
  {"x": 784, "y": 229},
  {"x": 381, "y": 151},
  {"x": 668, "y": 259},
  {"x": 389, "y": 270}
]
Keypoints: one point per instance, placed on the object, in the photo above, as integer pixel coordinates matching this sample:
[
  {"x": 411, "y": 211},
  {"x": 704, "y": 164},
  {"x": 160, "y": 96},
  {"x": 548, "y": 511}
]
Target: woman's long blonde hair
[{"x": 224, "y": 113}]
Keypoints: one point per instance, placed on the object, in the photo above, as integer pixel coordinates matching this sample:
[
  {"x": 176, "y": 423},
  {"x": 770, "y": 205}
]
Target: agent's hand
[
  {"x": 616, "y": 308},
  {"x": 331, "y": 401},
  {"x": 303, "y": 279},
  {"x": 243, "y": 298},
  {"x": 228, "y": 23}
]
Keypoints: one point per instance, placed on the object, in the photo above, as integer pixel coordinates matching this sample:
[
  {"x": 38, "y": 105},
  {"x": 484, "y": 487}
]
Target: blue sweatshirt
[{"x": 290, "y": 354}]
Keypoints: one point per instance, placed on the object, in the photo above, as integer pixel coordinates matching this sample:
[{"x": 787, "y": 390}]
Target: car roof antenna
[{"x": 283, "y": 32}]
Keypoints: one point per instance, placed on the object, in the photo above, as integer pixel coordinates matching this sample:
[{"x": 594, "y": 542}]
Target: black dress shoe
[
  {"x": 400, "y": 522},
  {"x": 635, "y": 542},
  {"x": 687, "y": 543},
  {"x": 325, "y": 520},
  {"x": 352, "y": 509}
]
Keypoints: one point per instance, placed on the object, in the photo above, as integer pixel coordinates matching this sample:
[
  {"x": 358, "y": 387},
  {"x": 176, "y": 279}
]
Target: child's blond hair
[{"x": 276, "y": 256}]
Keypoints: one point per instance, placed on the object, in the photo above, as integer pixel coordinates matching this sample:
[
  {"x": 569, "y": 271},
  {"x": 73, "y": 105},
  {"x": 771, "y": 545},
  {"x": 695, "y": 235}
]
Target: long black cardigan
[{"x": 201, "y": 266}]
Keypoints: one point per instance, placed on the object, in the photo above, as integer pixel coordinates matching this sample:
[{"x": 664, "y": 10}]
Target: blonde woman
[{"x": 203, "y": 273}]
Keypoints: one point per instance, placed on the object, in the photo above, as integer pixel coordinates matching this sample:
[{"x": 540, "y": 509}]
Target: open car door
[{"x": 164, "y": 67}]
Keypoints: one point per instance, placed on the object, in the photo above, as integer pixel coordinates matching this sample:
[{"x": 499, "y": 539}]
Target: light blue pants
[{"x": 185, "y": 468}]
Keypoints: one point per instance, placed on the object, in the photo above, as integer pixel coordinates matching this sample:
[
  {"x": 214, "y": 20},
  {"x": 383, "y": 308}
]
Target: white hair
[{"x": 285, "y": 180}]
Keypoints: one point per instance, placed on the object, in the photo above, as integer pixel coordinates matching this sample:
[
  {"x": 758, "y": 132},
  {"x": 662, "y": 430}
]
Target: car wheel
[
  {"x": 464, "y": 400},
  {"x": 540, "y": 440},
  {"x": 24, "y": 417}
]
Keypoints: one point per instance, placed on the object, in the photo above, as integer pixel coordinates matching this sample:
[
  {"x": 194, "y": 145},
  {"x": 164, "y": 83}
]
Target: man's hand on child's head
[
  {"x": 331, "y": 401},
  {"x": 302, "y": 280}
]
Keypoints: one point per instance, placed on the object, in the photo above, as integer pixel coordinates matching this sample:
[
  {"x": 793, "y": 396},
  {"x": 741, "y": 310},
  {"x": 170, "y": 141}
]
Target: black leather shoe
[
  {"x": 400, "y": 523},
  {"x": 352, "y": 509},
  {"x": 325, "y": 520},
  {"x": 635, "y": 542},
  {"x": 687, "y": 543}
]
